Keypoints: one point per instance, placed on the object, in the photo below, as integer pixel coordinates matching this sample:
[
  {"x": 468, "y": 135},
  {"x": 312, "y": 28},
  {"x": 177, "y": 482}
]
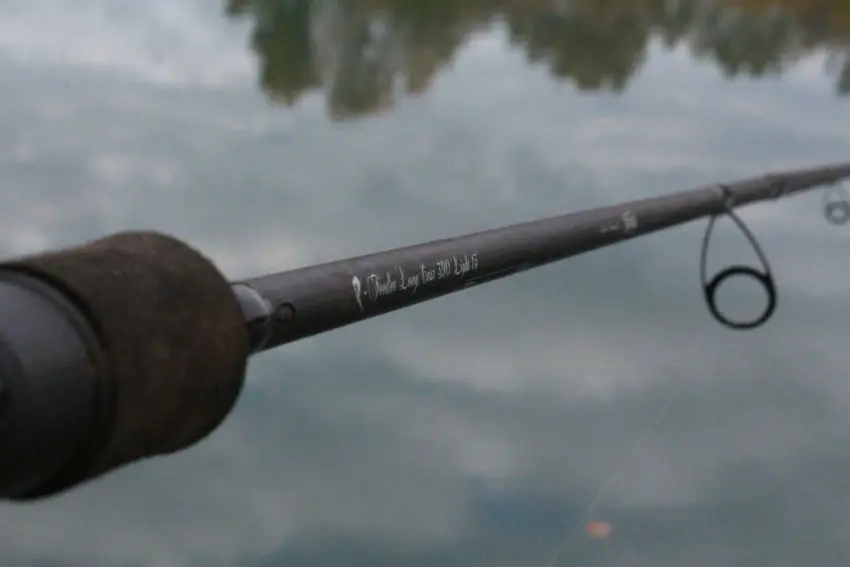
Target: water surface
[{"x": 478, "y": 428}]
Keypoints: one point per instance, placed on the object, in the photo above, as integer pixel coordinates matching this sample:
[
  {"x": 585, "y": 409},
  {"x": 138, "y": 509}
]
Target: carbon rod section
[{"x": 284, "y": 307}]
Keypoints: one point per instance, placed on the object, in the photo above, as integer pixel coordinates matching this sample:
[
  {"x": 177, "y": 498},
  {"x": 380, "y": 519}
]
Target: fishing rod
[{"x": 135, "y": 345}]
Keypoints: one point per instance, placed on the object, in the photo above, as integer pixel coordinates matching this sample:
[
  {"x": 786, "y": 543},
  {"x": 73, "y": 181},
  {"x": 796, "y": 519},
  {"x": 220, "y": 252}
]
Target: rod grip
[{"x": 169, "y": 348}]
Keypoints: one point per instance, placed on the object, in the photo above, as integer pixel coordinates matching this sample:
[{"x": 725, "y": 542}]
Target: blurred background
[{"x": 475, "y": 429}]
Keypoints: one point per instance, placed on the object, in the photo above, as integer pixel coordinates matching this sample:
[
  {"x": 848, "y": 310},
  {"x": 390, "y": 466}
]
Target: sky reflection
[{"x": 474, "y": 429}]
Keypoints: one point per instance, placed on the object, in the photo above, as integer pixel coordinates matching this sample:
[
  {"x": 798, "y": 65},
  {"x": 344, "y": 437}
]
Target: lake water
[{"x": 481, "y": 428}]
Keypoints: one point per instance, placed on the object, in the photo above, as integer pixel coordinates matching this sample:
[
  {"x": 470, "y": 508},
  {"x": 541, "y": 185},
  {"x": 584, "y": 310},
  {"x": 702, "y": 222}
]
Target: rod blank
[
  {"x": 308, "y": 301},
  {"x": 135, "y": 345}
]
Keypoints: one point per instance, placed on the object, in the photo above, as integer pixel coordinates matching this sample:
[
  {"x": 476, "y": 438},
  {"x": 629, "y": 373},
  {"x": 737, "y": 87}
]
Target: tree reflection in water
[{"x": 362, "y": 53}]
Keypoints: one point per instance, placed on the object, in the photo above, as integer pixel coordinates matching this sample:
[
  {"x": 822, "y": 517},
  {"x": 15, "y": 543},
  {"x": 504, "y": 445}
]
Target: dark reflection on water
[
  {"x": 477, "y": 429},
  {"x": 364, "y": 52}
]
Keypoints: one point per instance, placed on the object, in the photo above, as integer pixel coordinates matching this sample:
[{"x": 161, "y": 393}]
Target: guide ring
[
  {"x": 766, "y": 281},
  {"x": 836, "y": 211},
  {"x": 764, "y": 278}
]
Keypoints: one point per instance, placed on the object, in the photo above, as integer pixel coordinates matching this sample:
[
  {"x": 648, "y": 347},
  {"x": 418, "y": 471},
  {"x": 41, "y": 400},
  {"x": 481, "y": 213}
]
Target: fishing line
[
  {"x": 836, "y": 205},
  {"x": 609, "y": 480},
  {"x": 710, "y": 288}
]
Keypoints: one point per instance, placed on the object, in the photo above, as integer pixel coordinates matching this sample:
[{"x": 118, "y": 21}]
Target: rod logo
[
  {"x": 358, "y": 291},
  {"x": 630, "y": 222}
]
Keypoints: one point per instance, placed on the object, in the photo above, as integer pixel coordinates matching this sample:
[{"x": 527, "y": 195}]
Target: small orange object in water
[{"x": 597, "y": 530}]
